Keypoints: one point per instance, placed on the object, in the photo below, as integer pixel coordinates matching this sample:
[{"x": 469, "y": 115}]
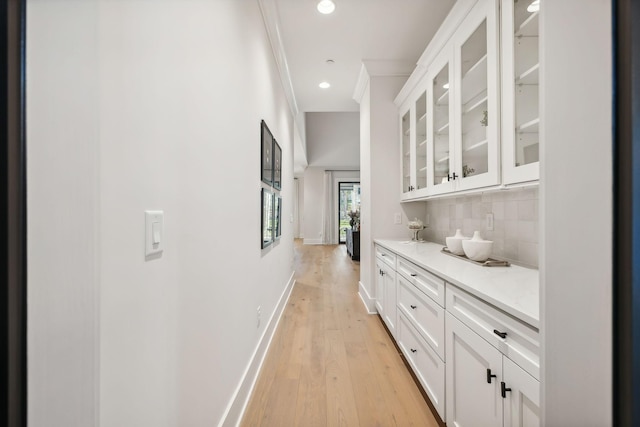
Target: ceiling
[{"x": 388, "y": 30}]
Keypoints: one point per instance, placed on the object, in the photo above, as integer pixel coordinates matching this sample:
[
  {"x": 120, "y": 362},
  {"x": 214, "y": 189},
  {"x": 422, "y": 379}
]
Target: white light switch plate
[
  {"x": 397, "y": 218},
  {"x": 154, "y": 233}
]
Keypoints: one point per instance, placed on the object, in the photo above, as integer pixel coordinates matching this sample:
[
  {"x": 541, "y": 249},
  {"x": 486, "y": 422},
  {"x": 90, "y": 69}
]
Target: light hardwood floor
[{"x": 330, "y": 363}]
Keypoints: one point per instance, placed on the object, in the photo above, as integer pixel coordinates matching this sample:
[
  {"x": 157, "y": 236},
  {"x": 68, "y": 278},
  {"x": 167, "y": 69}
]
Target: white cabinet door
[
  {"x": 477, "y": 118},
  {"x": 407, "y": 143},
  {"x": 473, "y": 394},
  {"x": 520, "y": 91},
  {"x": 390, "y": 297},
  {"x": 380, "y": 287},
  {"x": 522, "y": 396}
]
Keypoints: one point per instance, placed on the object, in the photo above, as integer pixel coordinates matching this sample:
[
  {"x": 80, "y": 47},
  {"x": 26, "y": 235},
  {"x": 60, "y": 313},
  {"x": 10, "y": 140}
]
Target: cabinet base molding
[{"x": 369, "y": 303}]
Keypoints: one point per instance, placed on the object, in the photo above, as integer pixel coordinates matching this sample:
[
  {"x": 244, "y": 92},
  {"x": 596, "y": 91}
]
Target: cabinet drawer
[
  {"x": 386, "y": 256},
  {"x": 423, "y": 313},
  {"x": 426, "y": 364},
  {"x": 430, "y": 284},
  {"x": 521, "y": 343}
]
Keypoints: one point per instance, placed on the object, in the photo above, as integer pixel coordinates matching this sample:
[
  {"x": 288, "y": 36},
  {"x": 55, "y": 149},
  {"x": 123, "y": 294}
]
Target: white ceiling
[{"x": 389, "y": 30}]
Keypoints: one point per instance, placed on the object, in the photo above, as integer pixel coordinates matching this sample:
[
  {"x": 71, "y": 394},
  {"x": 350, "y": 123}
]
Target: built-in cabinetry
[
  {"x": 452, "y": 119},
  {"x": 386, "y": 287},
  {"x": 478, "y": 364}
]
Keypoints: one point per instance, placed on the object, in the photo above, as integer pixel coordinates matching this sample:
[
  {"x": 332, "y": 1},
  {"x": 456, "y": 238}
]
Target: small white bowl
[
  {"x": 477, "y": 249},
  {"x": 454, "y": 243}
]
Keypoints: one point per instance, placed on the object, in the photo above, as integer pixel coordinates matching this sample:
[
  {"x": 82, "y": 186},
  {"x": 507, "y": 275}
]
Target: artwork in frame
[
  {"x": 267, "y": 232},
  {"x": 277, "y": 217},
  {"x": 277, "y": 165},
  {"x": 266, "y": 143}
]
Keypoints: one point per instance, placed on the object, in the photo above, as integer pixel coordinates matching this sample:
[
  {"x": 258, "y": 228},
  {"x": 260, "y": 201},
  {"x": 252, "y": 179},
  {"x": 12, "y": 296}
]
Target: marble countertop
[{"x": 514, "y": 289}]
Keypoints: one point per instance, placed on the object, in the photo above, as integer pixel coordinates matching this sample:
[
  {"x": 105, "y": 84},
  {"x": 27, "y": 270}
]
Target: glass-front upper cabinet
[
  {"x": 476, "y": 162},
  {"x": 405, "y": 136},
  {"x": 521, "y": 90},
  {"x": 440, "y": 147},
  {"x": 421, "y": 142}
]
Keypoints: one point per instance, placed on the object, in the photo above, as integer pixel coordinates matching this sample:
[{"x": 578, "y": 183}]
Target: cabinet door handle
[
  {"x": 502, "y": 335},
  {"x": 382, "y": 272},
  {"x": 383, "y": 254},
  {"x": 413, "y": 306},
  {"x": 413, "y": 350},
  {"x": 413, "y": 274},
  {"x": 489, "y": 376},
  {"x": 504, "y": 389},
  {"x": 455, "y": 176}
]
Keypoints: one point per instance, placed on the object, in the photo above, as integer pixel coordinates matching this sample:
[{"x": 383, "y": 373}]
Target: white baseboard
[
  {"x": 369, "y": 303},
  {"x": 312, "y": 241},
  {"x": 237, "y": 406}
]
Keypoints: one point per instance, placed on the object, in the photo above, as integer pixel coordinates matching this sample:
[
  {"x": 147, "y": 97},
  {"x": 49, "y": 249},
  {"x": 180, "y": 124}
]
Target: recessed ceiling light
[
  {"x": 534, "y": 6},
  {"x": 326, "y": 6},
  {"x": 324, "y": 85},
  {"x": 330, "y": 61}
]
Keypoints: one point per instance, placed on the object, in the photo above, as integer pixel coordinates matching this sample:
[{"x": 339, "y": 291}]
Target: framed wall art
[
  {"x": 267, "y": 233},
  {"x": 277, "y": 218},
  {"x": 277, "y": 165},
  {"x": 267, "y": 142}
]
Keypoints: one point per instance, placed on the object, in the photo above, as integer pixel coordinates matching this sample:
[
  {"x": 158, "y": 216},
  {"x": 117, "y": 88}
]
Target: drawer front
[
  {"x": 426, "y": 364},
  {"x": 521, "y": 343},
  {"x": 430, "y": 284},
  {"x": 423, "y": 313},
  {"x": 386, "y": 256}
]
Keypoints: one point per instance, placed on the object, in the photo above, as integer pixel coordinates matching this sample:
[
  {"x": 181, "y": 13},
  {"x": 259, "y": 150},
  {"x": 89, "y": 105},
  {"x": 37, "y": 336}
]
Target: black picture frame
[
  {"x": 277, "y": 217},
  {"x": 266, "y": 153},
  {"x": 277, "y": 165},
  {"x": 267, "y": 211}
]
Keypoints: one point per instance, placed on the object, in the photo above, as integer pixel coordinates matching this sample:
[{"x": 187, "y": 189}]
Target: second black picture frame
[
  {"x": 277, "y": 165},
  {"x": 267, "y": 143}
]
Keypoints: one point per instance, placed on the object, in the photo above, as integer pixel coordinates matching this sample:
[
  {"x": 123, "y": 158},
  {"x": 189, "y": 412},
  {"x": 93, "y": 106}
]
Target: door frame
[
  {"x": 13, "y": 232},
  {"x": 626, "y": 224},
  {"x": 339, "y": 181}
]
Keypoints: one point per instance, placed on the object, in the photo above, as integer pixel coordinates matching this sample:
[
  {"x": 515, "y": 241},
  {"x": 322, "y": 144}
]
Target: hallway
[{"x": 330, "y": 363}]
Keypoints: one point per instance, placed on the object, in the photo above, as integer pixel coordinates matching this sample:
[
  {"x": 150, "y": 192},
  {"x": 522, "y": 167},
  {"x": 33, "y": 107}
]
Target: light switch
[{"x": 154, "y": 230}]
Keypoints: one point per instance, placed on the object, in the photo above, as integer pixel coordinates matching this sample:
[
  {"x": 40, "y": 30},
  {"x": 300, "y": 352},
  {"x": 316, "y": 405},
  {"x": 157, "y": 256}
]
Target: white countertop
[{"x": 514, "y": 289}]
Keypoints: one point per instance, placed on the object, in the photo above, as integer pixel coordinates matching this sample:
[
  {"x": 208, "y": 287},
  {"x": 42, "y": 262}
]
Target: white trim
[
  {"x": 312, "y": 241},
  {"x": 379, "y": 68},
  {"x": 269, "y": 10},
  {"x": 236, "y": 408},
  {"x": 369, "y": 303},
  {"x": 361, "y": 84}
]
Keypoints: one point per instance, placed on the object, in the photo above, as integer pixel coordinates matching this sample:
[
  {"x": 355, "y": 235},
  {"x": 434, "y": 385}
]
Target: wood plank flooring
[{"x": 330, "y": 363}]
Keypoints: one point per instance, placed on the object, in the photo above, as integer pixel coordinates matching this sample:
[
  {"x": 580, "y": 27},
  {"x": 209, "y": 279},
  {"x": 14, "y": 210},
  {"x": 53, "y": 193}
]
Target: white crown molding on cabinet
[
  {"x": 458, "y": 13},
  {"x": 379, "y": 68}
]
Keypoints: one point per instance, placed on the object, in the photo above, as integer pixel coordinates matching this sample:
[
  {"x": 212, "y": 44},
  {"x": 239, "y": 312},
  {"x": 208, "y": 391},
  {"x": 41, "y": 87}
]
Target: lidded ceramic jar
[{"x": 454, "y": 243}]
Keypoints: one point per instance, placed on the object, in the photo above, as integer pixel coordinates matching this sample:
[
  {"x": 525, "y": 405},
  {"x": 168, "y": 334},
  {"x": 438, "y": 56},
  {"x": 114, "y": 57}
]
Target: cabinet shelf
[
  {"x": 444, "y": 159},
  {"x": 475, "y": 80},
  {"x": 529, "y": 77},
  {"x": 424, "y": 169},
  {"x": 530, "y": 126},
  {"x": 422, "y": 144},
  {"x": 476, "y": 102},
  {"x": 443, "y": 99},
  {"x": 406, "y": 132},
  {"x": 476, "y": 145},
  {"x": 423, "y": 117},
  {"x": 529, "y": 28},
  {"x": 443, "y": 129}
]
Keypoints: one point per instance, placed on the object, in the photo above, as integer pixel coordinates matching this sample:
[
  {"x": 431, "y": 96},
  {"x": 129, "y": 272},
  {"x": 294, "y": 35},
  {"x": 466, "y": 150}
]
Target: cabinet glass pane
[
  {"x": 421, "y": 141},
  {"x": 406, "y": 151},
  {"x": 473, "y": 88},
  {"x": 526, "y": 66},
  {"x": 441, "y": 126}
]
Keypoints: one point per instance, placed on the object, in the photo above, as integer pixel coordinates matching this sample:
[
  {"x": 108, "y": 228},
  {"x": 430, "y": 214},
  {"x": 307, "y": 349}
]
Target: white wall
[
  {"x": 380, "y": 169},
  {"x": 134, "y": 106},
  {"x": 63, "y": 213},
  {"x": 333, "y": 140},
  {"x": 576, "y": 219}
]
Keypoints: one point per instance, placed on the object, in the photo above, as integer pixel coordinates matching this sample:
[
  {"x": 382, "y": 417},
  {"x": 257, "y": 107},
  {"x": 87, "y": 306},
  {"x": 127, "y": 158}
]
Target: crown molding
[
  {"x": 271, "y": 20},
  {"x": 379, "y": 68}
]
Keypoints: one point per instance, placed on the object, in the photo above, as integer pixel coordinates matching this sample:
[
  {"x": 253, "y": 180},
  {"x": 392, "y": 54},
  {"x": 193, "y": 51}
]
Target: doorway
[{"x": 348, "y": 201}]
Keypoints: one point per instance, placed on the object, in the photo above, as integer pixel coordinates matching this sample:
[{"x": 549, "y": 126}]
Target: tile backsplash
[{"x": 515, "y": 222}]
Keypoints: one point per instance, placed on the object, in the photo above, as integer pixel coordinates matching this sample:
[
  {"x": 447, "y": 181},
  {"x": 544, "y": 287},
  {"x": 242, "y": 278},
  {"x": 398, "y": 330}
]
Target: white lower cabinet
[
  {"x": 474, "y": 371},
  {"x": 425, "y": 362},
  {"x": 522, "y": 400},
  {"x": 386, "y": 294}
]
